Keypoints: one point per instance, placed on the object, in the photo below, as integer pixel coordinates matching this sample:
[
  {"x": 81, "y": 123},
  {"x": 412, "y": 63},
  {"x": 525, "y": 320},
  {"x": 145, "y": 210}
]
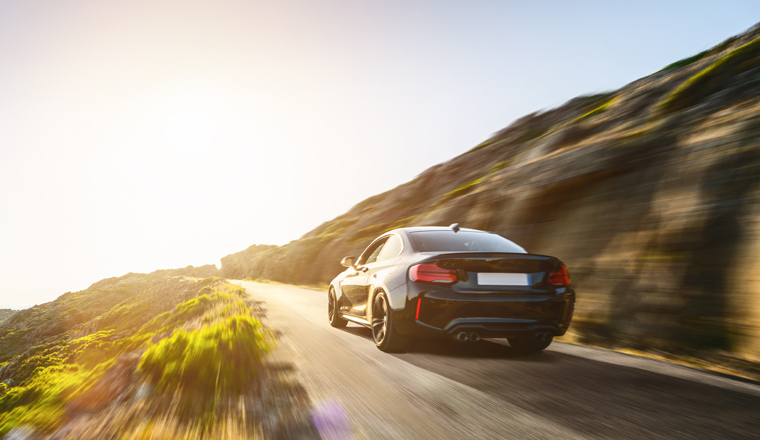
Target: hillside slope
[
  {"x": 649, "y": 193},
  {"x": 6, "y": 313},
  {"x": 171, "y": 354}
]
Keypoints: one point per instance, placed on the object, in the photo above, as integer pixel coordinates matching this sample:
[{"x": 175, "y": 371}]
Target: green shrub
[
  {"x": 47, "y": 377},
  {"x": 186, "y": 311},
  {"x": 595, "y": 99},
  {"x": 41, "y": 401},
  {"x": 219, "y": 358},
  {"x": 710, "y": 79},
  {"x": 694, "y": 58},
  {"x": 462, "y": 190},
  {"x": 12, "y": 343},
  {"x": 597, "y": 110},
  {"x": 684, "y": 62},
  {"x": 481, "y": 145}
]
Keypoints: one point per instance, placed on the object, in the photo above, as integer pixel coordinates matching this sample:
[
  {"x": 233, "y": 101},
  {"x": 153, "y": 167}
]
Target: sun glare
[{"x": 190, "y": 130}]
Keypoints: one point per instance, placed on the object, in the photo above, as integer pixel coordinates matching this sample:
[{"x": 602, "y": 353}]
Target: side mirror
[{"x": 347, "y": 261}]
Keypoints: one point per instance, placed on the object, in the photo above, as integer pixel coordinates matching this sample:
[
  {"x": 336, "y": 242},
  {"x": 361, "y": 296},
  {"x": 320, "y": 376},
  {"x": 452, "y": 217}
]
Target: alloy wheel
[
  {"x": 333, "y": 311},
  {"x": 379, "y": 320},
  {"x": 331, "y": 306}
]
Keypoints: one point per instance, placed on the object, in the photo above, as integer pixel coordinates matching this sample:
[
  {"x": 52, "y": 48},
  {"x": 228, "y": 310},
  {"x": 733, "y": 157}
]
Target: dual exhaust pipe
[
  {"x": 464, "y": 337},
  {"x": 475, "y": 337}
]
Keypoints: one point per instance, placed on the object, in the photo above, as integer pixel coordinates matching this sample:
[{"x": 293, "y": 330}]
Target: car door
[
  {"x": 355, "y": 284},
  {"x": 386, "y": 264},
  {"x": 379, "y": 265}
]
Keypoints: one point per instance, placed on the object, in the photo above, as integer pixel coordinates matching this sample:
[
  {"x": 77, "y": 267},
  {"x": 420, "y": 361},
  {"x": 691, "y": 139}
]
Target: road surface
[{"x": 448, "y": 390}]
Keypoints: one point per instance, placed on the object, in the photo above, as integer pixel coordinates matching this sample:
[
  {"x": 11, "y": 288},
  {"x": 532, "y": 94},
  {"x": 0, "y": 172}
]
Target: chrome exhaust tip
[
  {"x": 474, "y": 337},
  {"x": 461, "y": 336}
]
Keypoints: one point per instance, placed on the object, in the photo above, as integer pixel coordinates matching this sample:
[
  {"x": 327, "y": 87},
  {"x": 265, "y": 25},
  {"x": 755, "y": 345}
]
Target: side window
[
  {"x": 370, "y": 254},
  {"x": 391, "y": 249},
  {"x": 373, "y": 257}
]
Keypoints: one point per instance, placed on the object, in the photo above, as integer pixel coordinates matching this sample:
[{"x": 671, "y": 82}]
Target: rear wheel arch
[
  {"x": 338, "y": 292},
  {"x": 391, "y": 340},
  {"x": 333, "y": 309},
  {"x": 371, "y": 300}
]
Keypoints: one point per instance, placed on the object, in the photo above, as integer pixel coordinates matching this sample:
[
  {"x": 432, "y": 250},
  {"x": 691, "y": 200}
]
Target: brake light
[
  {"x": 432, "y": 273},
  {"x": 560, "y": 277}
]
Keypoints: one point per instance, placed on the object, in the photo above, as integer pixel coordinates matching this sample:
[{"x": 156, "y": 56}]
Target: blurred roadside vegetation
[{"x": 163, "y": 355}]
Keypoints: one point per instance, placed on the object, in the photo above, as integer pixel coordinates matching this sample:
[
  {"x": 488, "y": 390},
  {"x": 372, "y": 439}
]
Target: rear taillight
[
  {"x": 560, "y": 277},
  {"x": 432, "y": 273}
]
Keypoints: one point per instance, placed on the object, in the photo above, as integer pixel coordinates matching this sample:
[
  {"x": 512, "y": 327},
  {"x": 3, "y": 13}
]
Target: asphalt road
[{"x": 448, "y": 390}]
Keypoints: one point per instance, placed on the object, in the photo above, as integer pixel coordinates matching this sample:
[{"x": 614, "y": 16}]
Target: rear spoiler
[{"x": 489, "y": 256}]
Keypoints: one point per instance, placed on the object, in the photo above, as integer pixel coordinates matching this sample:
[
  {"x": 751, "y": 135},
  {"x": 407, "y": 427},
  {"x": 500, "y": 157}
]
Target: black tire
[
  {"x": 333, "y": 315},
  {"x": 384, "y": 333},
  {"x": 527, "y": 344}
]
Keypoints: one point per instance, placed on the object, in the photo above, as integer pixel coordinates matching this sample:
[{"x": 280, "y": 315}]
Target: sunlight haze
[{"x": 137, "y": 136}]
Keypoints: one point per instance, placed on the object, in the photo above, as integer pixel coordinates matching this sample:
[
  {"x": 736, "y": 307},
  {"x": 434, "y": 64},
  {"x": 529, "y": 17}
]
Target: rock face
[{"x": 648, "y": 193}]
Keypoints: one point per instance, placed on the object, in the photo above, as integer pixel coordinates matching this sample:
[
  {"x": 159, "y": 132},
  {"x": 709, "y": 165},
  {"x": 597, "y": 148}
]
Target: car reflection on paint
[{"x": 452, "y": 282}]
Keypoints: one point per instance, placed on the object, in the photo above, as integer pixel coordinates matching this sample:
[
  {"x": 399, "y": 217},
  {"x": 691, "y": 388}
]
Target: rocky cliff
[{"x": 649, "y": 193}]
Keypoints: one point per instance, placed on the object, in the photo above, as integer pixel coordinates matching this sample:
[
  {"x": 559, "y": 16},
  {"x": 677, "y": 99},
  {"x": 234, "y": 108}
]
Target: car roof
[{"x": 432, "y": 228}]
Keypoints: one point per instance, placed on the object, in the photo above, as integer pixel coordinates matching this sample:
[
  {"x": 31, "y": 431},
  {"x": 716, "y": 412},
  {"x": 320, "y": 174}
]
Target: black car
[{"x": 452, "y": 282}]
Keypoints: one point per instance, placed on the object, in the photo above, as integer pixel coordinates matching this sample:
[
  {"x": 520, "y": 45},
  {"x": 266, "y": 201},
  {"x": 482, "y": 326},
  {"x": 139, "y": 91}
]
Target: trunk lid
[{"x": 496, "y": 272}]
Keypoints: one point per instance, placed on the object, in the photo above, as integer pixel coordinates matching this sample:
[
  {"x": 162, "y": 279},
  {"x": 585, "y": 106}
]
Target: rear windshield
[{"x": 462, "y": 241}]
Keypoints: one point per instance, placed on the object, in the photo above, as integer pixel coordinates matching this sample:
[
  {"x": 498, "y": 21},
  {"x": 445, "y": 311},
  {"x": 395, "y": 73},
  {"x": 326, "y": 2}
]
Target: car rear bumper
[
  {"x": 488, "y": 329},
  {"x": 444, "y": 312}
]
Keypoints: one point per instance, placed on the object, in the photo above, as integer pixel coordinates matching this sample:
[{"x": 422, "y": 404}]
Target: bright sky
[{"x": 144, "y": 135}]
